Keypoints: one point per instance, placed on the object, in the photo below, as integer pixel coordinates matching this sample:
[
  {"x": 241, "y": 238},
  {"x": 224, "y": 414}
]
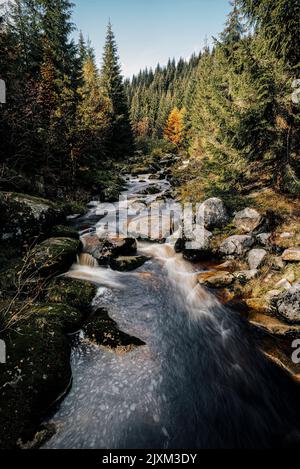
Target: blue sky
[{"x": 151, "y": 31}]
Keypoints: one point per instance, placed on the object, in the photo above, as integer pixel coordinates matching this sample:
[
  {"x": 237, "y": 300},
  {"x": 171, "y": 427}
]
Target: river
[{"x": 200, "y": 381}]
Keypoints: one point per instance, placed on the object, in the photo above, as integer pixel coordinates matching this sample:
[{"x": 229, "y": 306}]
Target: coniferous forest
[{"x": 172, "y": 344}]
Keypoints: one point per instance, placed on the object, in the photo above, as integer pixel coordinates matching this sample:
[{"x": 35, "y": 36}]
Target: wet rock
[
  {"x": 54, "y": 256},
  {"x": 291, "y": 255},
  {"x": 179, "y": 245},
  {"x": 288, "y": 305},
  {"x": 248, "y": 220},
  {"x": 103, "y": 250},
  {"x": 128, "y": 263},
  {"x": 199, "y": 249},
  {"x": 256, "y": 258},
  {"x": 216, "y": 279},
  {"x": 151, "y": 190},
  {"x": 111, "y": 194},
  {"x": 44, "y": 434},
  {"x": 99, "y": 250},
  {"x": 102, "y": 330},
  {"x": 213, "y": 214},
  {"x": 272, "y": 326},
  {"x": 123, "y": 246},
  {"x": 236, "y": 245},
  {"x": 62, "y": 231},
  {"x": 155, "y": 228},
  {"x": 73, "y": 292},
  {"x": 23, "y": 217},
  {"x": 38, "y": 369}
]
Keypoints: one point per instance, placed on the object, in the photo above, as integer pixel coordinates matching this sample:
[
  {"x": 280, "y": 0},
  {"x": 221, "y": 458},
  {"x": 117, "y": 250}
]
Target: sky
[{"x": 150, "y": 31}]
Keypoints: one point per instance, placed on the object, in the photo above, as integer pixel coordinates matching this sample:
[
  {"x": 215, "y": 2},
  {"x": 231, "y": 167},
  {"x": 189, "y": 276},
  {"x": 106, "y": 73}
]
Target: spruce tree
[{"x": 121, "y": 142}]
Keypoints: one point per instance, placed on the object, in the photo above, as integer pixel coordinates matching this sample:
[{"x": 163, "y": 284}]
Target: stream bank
[
  {"x": 200, "y": 363},
  {"x": 143, "y": 303}
]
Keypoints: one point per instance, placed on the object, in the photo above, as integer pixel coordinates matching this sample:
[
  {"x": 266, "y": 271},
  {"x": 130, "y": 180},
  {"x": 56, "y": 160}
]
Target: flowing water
[{"x": 199, "y": 382}]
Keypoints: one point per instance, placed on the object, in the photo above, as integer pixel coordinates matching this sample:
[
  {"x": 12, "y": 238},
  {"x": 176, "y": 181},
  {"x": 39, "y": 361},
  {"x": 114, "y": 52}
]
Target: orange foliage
[{"x": 175, "y": 127}]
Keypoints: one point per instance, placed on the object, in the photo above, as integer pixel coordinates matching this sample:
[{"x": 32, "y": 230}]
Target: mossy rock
[
  {"x": 102, "y": 330},
  {"x": 37, "y": 371},
  {"x": 128, "y": 263},
  {"x": 151, "y": 190},
  {"x": 65, "y": 317},
  {"x": 62, "y": 231},
  {"x": 54, "y": 256},
  {"x": 24, "y": 217},
  {"x": 76, "y": 293}
]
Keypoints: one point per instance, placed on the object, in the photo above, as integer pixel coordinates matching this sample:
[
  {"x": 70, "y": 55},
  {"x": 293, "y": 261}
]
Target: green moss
[
  {"x": 37, "y": 371},
  {"x": 76, "y": 293},
  {"x": 25, "y": 217},
  {"x": 102, "y": 330},
  {"x": 54, "y": 256},
  {"x": 62, "y": 231}
]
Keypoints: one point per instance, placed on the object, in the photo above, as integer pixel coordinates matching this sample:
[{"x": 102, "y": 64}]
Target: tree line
[
  {"x": 231, "y": 107},
  {"x": 64, "y": 119}
]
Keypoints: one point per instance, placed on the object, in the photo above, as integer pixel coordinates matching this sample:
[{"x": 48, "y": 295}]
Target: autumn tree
[{"x": 175, "y": 127}]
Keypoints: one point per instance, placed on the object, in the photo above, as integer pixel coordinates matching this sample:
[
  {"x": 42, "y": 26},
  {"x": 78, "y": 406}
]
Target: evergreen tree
[
  {"x": 278, "y": 21},
  {"x": 121, "y": 142}
]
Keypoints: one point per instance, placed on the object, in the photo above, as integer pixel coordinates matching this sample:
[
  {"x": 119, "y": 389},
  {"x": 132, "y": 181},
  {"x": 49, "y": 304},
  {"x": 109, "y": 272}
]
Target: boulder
[
  {"x": 38, "y": 369},
  {"x": 248, "y": 220},
  {"x": 256, "y": 258},
  {"x": 198, "y": 246},
  {"x": 277, "y": 263},
  {"x": 151, "y": 190},
  {"x": 179, "y": 245},
  {"x": 264, "y": 239},
  {"x": 102, "y": 330},
  {"x": 291, "y": 255},
  {"x": 288, "y": 305},
  {"x": 103, "y": 250},
  {"x": 23, "y": 217},
  {"x": 236, "y": 245},
  {"x": 155, "y": 228},
  {"x": 220, "y": 279},
  {"x": 128, "y": 263},
  {"x": 213, "y": 214},
  {"x": 73, "y": 292},
  {"x": 53, "y": 257},
  {"x": 62, "y": 231},
  {"x": 246, "y": 275}
]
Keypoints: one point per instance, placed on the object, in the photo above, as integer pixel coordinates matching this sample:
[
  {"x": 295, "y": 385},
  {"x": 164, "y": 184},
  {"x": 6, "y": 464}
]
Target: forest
[{"x": 78, "y": 142}]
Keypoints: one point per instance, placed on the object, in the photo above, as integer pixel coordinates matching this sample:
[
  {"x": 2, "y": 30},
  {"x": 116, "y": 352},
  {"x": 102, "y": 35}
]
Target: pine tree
[{"x": 113, "y": 89}]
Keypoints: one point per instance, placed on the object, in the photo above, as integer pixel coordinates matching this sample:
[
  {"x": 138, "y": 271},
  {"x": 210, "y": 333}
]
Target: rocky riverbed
[{"x": 247, "y": 259}]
